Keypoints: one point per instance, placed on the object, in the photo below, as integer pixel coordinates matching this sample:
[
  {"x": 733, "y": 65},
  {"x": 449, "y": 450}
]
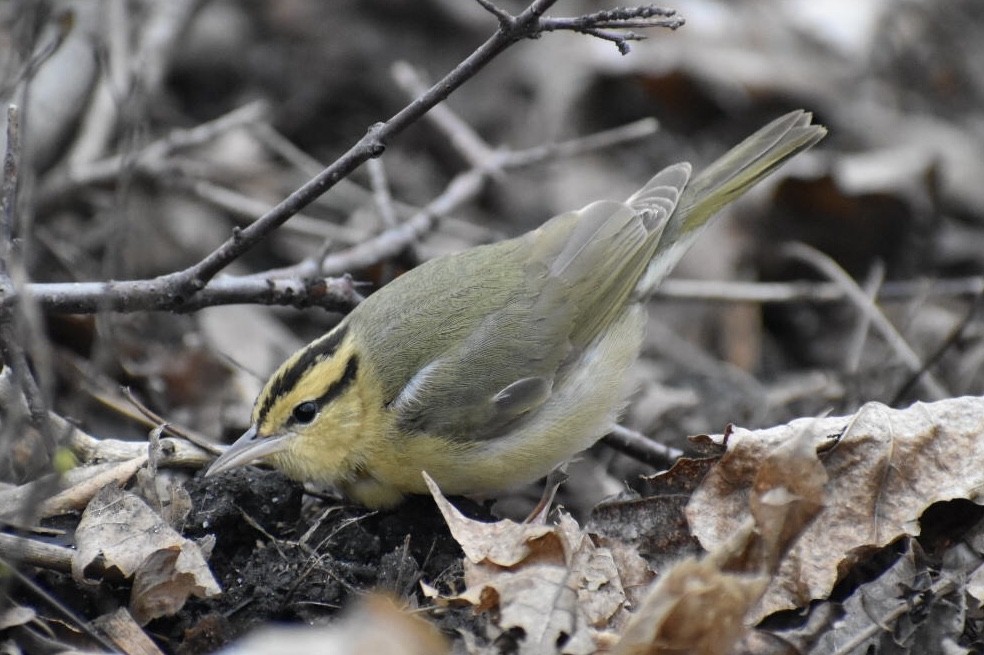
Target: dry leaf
[
  {"x": 16, "y": 615},
  {"x": 886, "y": 468},
  {"x": 119, "y": 527},
  {"x": 68, "y": 492},
  {"x": 124, "y": 632},
  {"x": 167, "y": 578},
  {"x": 163, "y": 491},
  {"x": 655, "y": 525},
  {"x": 702, "y": 606},
  {"x": 552, "y": 583},
  {"x": 377, "y": 626},
  {"x": 694, "y": 608}
]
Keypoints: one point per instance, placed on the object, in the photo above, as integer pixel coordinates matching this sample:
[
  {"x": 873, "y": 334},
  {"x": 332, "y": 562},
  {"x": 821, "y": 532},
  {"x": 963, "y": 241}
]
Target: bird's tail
[{"x": 727, "y": 178}]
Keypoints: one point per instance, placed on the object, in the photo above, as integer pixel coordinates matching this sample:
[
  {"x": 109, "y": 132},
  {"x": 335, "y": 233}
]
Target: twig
[
  {"x": 11, "y": 315},
  {"x": 177, "y": 431},
  {"x": 159, "y": 36},
  {"x": 725, "y": 291},
  {"x": 951, "y": 340},
  {"x": 855, "y": 347},
  {"x": 627, "y": 133},
  {"x": 151, "y": 156},
  {"x": 462, "y": 188},
  {"x": 278, "y": 287},
  {"x": 460, "y": 134},
  {"x": 284, "y": 148},
  {"x": 8, "y": 191},
  {"x": 333, "y": 294},
  {"x": 346, "y": 196},
  {"x": 878, "y": 624},
  {"x": 57, "y": 605},
  {"x": 113, "y": 86},
  {"x": 390, "y": 243},
  {"x": 31, "y": 552},
  {"x": 174, "y": 291},
  {"x": 246, "y": 208},
  {"x": 611, "y": 25},
  {"x": 857, "y": 296},
  {"x": 381, "y": 193},
  {"x": 641, "y": 448}
]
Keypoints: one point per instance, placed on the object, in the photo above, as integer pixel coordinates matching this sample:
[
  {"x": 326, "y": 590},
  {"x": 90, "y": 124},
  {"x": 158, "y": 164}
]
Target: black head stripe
[
  {"x": 314, "y": 353},
  {"x": 338, "y": 386}
]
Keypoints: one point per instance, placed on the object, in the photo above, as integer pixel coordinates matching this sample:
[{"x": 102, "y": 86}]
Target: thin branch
[
  {"x": 503, "y": 16},
  {"x": 462, "y": 188},
  {"x": 460, "y": 134},
  {"x": 186, "y": 283},
  {"x": 857, "y": 296},
  {"x": 8, "y": 192},
  {"x": 175, "y": 291},
  {"x": 285, "y": 287},
  {"x": 641, "y": 448},
  {"x": 11, "y": 315},
  {"x": 245, "y": 208},
  {"x": 949, "y": 342},
  {"x": 161, "y": 425},
  {"x": 390, "y": 243},
  {"x": 67, "y": 614},
  {"x": 613, "y": 24},
  {"x": 381, "y": 193},
  {"x": 151, "y": 157},
  {"x": 628, "y": 133},
  {"x": 725, "y": 291},
  {"x": 859, "y": 336},
  {"x": 332, "y": 294}
]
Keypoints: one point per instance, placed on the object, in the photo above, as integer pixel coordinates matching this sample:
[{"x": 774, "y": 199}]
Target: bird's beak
[{"x": 248, "y": 448}]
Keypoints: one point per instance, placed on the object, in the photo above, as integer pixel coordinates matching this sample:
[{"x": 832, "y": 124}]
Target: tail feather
[{"x": 727, "y": 178}]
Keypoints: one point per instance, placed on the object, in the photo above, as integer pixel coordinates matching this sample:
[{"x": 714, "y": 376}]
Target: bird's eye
[{"x": 305, "y": 412}]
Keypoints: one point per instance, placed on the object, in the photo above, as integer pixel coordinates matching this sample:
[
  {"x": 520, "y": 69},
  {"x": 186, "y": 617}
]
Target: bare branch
[
  {"x": 174, "y": 291},
  {"x": 462, "y": 188},
  {"x": 857, "y": 296},
  {"x": 465, "y": 140},
  {"x": 612, "y": 24},
  {"x": 332, "y": 294},
  {"x": 640, "y": 447},
  {"x": 13, "y": 316},
  {"x": 151, "y": 157}
]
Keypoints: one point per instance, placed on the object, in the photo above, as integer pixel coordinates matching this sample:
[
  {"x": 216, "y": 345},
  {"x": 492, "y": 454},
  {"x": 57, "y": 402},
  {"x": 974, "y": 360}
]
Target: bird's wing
[{"x": 568, "y": 281}]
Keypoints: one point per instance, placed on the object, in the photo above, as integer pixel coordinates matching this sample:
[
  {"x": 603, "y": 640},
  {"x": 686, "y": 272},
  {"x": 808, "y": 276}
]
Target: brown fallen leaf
[
  {"x": 654, "y": 525},
  {"x": 702, "y": 606},
  {"x": 375, "y": 626},
  {"x": 552, "y": 584},
  {"x": 131, "y": 538},
  {"x": 694, "y": 608},
  {"x": 885, "y": 468},
  {"x": 68, "y": 492}
]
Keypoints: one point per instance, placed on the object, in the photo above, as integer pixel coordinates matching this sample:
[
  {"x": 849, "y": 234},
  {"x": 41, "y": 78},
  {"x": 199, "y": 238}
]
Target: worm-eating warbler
[{"x": 488, "y": 367}]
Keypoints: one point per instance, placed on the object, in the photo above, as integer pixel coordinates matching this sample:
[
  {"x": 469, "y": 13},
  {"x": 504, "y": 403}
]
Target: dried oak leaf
[
  {"x": 885, "y": 468},
  {"x": 552, "y": 583},
  {"x": 128, "y": 536},
  {"x": 695, "y": 607},
  {"x": 701, "y": 606}
]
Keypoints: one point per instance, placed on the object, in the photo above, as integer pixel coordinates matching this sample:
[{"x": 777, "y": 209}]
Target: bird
[{"x": 488, "y": 367}]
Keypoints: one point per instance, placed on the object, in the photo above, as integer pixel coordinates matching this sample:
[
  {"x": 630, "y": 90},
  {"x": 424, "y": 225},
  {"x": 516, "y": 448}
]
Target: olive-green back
[{"x": 487, "y": 333}]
